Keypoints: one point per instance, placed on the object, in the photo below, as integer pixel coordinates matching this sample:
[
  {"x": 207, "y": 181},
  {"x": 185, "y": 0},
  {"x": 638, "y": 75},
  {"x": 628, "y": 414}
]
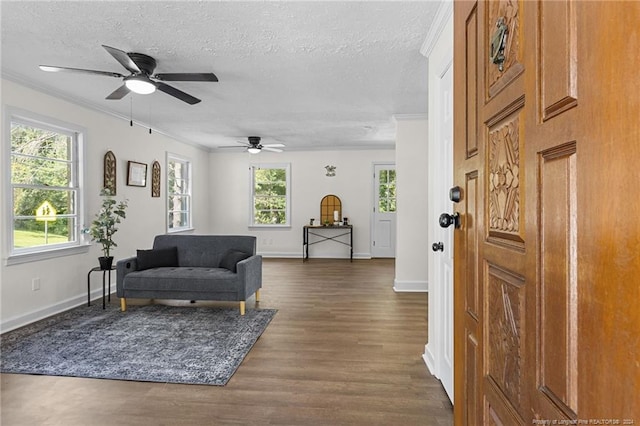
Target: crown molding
[
  {"x": 443, "y": 14},
  {"x": 88, "y": 105},
  {"x": 409, "y": 117}
]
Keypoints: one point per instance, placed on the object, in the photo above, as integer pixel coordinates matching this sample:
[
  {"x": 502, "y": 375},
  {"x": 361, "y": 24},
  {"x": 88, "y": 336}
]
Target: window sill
[
  {"x": 17, "y": 259},
  {"x": 269, "y": 226},
  {"x": 179, "y": 230}
]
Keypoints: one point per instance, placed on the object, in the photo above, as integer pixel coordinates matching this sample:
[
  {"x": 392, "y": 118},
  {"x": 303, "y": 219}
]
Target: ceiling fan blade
[
  {"x": 186, "y": 76},
  {"x": 119, "y": 93},
  {"x": 123, "y": 58},
  {"x": 231, "y": 146},
  {"x": 169, "y": 90},
  {"x": 266, "y": 148},
  {"x": 52, "y": 68},
  {"x": 273, "y": 145}
]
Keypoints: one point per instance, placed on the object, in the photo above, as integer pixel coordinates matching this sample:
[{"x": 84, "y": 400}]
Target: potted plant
[{"x": 104, "y": 226}]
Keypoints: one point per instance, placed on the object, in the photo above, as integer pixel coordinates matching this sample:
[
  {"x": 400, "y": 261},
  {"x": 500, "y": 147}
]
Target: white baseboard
[
  {"x": 298, "y": 255},
  {"x": 65, "y": 305},
  {"x": 429, "y": 359},
  {"x": 410, "y": 286}
]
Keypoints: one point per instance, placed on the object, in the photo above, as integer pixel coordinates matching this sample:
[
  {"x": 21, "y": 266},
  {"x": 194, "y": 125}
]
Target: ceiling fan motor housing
[
  {"x": 145, "y": 62},
  {"x": 254, "y": 140}
]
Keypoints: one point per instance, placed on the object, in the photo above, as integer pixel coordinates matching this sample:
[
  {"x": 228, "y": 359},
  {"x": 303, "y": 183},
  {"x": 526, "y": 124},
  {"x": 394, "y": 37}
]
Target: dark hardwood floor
[{"x": 343, "y": 349}]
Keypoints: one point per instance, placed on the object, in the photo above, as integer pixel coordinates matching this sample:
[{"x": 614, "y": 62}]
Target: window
[
  {"x": 178, "y": 194},
  {"x": 45, "y": 187},
  {"x": 387, "y": 191},
  {"x": 270, "y": 195}
]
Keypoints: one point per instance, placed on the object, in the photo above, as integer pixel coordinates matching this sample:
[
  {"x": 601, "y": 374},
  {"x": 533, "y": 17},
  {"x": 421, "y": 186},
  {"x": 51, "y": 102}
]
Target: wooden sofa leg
[
  {"x": 123, "y": 304},
  {"x": 242, "y": 305},
  {"x": 257, "y": 295}
]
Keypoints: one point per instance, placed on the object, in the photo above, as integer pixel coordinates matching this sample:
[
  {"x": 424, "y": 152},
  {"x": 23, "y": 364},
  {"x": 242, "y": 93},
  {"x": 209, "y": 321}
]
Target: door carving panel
[
  {"x": 507, "y": 13},
  {"x": 548, "y": 158},
  {"x": 504, "y": 179}
]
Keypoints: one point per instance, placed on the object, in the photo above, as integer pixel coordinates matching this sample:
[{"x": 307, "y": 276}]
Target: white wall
[
  {"x": 63, "y": 279},
  {"x": 411, "y": 180},
  {"x": 221, "y": 202},
  {"x": 353, "y": 184}
]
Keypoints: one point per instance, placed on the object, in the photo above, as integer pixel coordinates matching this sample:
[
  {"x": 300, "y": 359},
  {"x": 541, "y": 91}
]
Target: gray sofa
[{"x": 192, "y": 267}]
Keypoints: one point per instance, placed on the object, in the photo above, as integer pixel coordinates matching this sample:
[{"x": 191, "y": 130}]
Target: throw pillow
[
  {"x": 157, "y": 258},
  {"x": 231, "y": 258}
]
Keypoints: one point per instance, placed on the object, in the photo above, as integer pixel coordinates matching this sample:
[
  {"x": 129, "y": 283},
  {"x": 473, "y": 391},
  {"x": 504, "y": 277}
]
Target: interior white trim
[
  {"x": 437, "y": 26},
  {"x": 65, "y": 305},
  {"x": 410, "y": 286},
  {"x": 60, "y": 95},
  {"x": 429, "y": 360},
  {"x": 298, "y": 255},
  {"x": 409, "y": 117}
]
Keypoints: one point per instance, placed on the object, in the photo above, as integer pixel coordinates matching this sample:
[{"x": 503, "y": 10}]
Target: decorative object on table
[
  {"x": 331, "y": 171},
  {"x": 336, "y": 218},
  {"x": 328, "y": 206},
  {"x": 155, "y": 179},
  {"x": 311, "y": 221},
  {"x": 345, "y": 221},
  {"x": 136, "y": 174},
  {"x": 105, "y": 225},
  {"x": 152, "y": 343},
  {"x": 109, "y": 180}
]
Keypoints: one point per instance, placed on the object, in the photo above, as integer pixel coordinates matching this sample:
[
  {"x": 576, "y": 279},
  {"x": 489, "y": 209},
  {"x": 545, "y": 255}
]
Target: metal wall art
[
  {"x": 155, "y": 179},
  {"x": 331, "y": 171},
  {"x": 110, "y": 172}
]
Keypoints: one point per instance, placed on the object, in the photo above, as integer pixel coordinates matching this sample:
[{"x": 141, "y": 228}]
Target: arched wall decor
[
  {"x": 329, "y": 205},
  {"x": 155, "y": 179},
  {"x": 110, "y": 172}
]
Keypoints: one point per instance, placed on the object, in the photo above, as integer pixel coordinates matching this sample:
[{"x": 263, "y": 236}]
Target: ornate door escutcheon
[{"x": 498, "y": 42}]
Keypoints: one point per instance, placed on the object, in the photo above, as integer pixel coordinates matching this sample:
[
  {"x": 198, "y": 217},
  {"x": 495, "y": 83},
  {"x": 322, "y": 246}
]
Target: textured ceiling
[{"x": 311, "y": 75}]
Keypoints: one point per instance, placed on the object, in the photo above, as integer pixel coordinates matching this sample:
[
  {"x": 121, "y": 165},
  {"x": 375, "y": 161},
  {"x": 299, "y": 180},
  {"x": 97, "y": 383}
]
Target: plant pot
[{"x": 105, "y": 262}]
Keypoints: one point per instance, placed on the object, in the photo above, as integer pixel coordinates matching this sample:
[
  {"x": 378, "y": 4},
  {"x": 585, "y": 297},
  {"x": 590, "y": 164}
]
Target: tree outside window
[
  {"x": 178, "y": 194},
  {"x": 270, "y": 195},
  {"x": 44, "y": 186}
]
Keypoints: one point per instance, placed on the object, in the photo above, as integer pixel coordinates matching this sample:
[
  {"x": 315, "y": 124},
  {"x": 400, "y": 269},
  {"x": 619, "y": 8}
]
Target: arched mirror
[{"x": 329, "y": 205}]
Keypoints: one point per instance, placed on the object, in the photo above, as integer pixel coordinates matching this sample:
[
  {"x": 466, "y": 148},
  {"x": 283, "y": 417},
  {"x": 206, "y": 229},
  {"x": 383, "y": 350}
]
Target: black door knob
[
  {"x": 447, "y": 220},
  {"x": 437, "y": 246}
]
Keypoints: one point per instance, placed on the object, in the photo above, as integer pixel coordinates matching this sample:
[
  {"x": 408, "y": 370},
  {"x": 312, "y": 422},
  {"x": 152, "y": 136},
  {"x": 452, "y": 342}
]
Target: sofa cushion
[
  {"x": 157, "y": 258},
  {"x": 231, "y": 258}
]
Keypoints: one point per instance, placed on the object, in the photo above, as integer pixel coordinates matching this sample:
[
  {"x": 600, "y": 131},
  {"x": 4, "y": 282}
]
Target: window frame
[
  {"x": 252, "y": 168},
  {"x": 77, "y": 187},
  {"x": 170, "y": 157}
]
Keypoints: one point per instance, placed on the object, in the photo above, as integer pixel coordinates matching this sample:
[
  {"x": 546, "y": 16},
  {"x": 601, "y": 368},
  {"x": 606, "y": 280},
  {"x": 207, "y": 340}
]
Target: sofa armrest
[
  {"x": 123, "y": 267},
  {"x": 250, "y": 273}
]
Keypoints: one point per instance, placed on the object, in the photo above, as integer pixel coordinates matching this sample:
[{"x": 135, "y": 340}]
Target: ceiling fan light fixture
[
  {"x": 253, "y": 150},
  {"x": 140, "y": 84}
]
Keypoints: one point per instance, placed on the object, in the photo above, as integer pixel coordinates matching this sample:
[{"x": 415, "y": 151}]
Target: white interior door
[
  {"x": 445, "y": 257},
  {"x": 439, "y": 350},
  {"x": 383, "y": 241}
]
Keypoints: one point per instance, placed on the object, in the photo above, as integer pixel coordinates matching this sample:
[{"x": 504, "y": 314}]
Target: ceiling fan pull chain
[{"x": 131, "y": 112}]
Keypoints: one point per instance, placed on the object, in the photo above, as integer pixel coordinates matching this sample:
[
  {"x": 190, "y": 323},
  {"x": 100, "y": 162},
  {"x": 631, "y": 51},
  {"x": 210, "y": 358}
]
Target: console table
[
  {"x": 346, "y": 231},
  {"x": 104, "y": 271}
]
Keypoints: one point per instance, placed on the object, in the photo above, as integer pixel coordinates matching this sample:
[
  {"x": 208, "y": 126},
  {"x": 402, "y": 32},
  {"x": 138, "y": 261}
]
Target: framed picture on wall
[{"x": 136, "y": 174}]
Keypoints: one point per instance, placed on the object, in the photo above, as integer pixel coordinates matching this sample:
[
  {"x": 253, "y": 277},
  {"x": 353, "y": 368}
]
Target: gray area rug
[{"x": 151, "y": 343}]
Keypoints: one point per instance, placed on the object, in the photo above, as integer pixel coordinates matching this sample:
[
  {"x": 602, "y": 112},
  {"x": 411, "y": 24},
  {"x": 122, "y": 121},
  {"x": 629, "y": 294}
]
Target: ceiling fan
[
  {"x": 254, "y": 146},
  {"x": 141, "y": 79}
]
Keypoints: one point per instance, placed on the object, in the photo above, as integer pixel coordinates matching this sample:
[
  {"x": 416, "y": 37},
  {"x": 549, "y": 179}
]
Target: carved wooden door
[{"x": 547, "y": 255}]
